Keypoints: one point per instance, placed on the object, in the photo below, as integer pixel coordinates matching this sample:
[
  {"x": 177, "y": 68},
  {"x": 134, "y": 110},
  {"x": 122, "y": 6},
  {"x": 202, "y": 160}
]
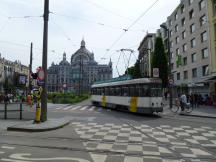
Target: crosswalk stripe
[
  {"x": 66, "y": 108},
  {"x": 84, "y": 108},
  {"x": 92, "y": 108},
  {"x": 7, "y": 147},
  {"x": 75, "y": 108}
]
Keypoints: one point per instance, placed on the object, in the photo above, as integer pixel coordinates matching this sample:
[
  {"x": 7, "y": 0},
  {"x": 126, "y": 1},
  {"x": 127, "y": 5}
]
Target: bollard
[
  {"x": 38, "y": 107},
  {"x": 21, "y": 111},
  {"x": 38, "y": 114},
  {"x": 5, "y": 111}
]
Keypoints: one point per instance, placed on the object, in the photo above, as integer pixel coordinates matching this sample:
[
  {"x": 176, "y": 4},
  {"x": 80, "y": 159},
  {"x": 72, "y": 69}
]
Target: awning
[{"x": 211, "y": 79}]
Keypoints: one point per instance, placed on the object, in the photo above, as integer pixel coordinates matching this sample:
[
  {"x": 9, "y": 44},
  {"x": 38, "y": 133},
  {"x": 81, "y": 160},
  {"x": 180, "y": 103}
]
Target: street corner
[{"x": 30, "y": 126}]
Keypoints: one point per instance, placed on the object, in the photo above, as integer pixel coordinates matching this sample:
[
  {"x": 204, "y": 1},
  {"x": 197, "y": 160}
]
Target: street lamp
[{"x": 169, "y": 57}]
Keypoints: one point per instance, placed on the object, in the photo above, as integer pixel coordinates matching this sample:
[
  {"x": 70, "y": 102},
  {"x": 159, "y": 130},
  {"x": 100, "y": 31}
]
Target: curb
[
  {"x": 19, "y": 129},
  {"x": 201, "y": 116}
]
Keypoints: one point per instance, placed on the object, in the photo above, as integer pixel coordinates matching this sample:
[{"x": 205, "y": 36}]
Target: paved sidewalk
[
  {"x": 201, "y": 111},
  {"x": 30, "y": 126}
]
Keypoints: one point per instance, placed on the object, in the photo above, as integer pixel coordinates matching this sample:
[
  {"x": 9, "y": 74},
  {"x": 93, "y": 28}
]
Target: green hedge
[{"x": 66, "y": 98}]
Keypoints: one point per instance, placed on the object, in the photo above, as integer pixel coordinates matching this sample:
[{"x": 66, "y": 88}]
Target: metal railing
[{"x": 6, "y": 110}]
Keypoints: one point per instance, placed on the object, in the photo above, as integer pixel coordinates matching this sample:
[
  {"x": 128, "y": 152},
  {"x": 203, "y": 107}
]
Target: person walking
[{"x": 183, "y": 101}]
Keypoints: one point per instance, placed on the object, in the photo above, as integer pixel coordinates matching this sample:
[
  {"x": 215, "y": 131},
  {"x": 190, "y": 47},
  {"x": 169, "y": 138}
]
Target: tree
[
  {"x": 160, "y": 61},
  {"x": 134, "y": 71}
]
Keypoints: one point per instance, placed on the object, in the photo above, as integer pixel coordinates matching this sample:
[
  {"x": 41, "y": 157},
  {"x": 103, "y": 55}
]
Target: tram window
[
  {"x": 107, "y": 91},
  {"x": 145, "y": 91},
  {"x": 132, "y": 91},
  {"x": 156, "y": 90},
  {"x": 125, "y": 91}
]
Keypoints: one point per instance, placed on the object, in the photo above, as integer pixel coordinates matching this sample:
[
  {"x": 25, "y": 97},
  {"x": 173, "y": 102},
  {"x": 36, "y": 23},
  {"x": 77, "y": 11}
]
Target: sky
[{"x": 99, "y": 22}]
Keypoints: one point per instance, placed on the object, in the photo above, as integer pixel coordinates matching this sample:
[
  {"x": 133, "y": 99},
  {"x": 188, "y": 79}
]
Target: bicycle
[{"x": 176, "y": 106}]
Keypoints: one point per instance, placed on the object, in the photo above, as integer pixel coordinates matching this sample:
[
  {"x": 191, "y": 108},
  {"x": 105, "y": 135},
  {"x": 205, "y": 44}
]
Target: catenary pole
[
  {"x": 44, "y": 62},
  {"x": 30, "y": 68}
]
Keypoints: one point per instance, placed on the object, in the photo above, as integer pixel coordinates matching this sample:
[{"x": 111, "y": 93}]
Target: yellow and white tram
[{"x": 142, "y": 95}]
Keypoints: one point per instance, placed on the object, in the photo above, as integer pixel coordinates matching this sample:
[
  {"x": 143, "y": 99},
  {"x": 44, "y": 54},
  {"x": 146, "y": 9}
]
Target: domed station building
[{"x": 78, "y": 75}]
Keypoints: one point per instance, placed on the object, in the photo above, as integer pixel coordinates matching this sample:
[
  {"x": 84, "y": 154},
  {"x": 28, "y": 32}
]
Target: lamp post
[{"x": 169, "y": 57}]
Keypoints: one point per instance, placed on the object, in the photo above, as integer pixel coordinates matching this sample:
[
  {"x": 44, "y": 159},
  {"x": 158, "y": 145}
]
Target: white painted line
[
  {"x": 1, "y": 152},
  {"x": 12, "y": 160},
  {"x": 92, "y": 108},
  {"x": 66, "y": 108},
  {"x": 75, "y": 108},
  {"x": 58, "y": 108},
  {"x": 7, "y": 147},
  {"x": 98, "y": 158},
  {"x": 84, "y": 108},
  {"x": 28, "y": 157}
]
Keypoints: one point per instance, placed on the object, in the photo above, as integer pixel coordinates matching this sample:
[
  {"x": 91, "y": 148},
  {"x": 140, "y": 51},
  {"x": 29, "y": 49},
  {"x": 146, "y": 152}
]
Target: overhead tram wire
[
  {"x": 110, "y": 11},
  {"x": 96, "y": 22},
  {"x": 122, "y": 34}
]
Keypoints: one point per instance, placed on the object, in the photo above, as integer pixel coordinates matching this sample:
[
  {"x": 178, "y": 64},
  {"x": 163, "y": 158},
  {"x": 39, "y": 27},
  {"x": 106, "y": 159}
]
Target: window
[
  {"x": 192, "y": 28},
  {"x": 185, "y": 61},
  {"x": 176, "y": 28},
  {"x": 182, "y": 9},
  {"x": 190, "y": 2},
  {"x": 170, "y": 22},
  {"x": 171, "y": 44},
  {"x": 205, "y": 70},
  {"x": 193, "y": 42},
  {"x": 191, "y": 14},
  {"x": 172, "y": 55},
  {"x": 185, "y": 74},
  {"x": 184, "y": 47},
  {"x": 183, "y": 21},
  {"x": 205, "y": 53},
  {"x": 171, "y": 32},
  {"x": 178, "y": 76},
  {"x": 202, "y": 4},
  {"x": 183, "y": 35},
  {"x": 203, "y": 20},
  {"x": 193, "y": 57},
  {"x": 176, "y": 16},
  {"x": 204, "y": 36},
  {"x": 194, "y": 72},
  {"x": 214, "y": 7},
  {"x": 177, "y": 40},
  {"x": 172, "y": 66},
  {"x": 177, "y": 51}
]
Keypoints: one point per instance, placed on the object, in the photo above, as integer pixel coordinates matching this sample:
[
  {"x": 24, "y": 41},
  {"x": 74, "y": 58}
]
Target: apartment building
[
  {"x": 190, "y": 46},
  {"x": 15, "y": 72},
  {"x": 146, "y": 49}
]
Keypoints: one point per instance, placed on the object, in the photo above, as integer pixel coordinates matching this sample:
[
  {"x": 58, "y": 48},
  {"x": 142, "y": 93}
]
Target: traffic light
[{"x": 34, "y": 75}]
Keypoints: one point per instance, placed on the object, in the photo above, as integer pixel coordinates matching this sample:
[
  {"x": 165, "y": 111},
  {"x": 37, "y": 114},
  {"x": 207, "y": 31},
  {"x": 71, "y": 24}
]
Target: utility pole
[
  {"x": 44, "y": 62},
  {"x": 30, "y": 68}
]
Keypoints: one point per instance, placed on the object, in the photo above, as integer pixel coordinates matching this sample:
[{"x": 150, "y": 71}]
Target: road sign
[
  {"x": 40, "y": 74},
  {"x": 155, "y": 72}
]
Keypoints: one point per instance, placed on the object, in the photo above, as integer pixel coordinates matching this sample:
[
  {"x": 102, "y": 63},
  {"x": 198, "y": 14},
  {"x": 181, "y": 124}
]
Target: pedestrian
[
  {"x": 183, "y": 101},
  {"x": 196, "y": 100},
  {"x": 165, "y": 94},
  {"x": 192, "y": 100}
]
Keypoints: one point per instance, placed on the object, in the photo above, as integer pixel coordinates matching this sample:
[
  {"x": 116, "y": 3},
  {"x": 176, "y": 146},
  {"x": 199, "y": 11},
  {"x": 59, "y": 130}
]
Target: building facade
[
  {"x": 78, "y": 75},
  {"x": 146, "y": 50},
  {"x": 212, "y": 30},
  {"x": 12, "y": 72},
  {"x": 190, "y": 45}
]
